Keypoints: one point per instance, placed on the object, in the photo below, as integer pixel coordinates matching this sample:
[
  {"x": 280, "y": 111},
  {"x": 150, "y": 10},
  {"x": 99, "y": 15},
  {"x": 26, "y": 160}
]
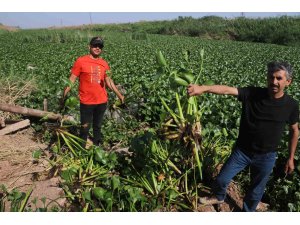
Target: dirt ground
[{"x": 18, "y": 169}]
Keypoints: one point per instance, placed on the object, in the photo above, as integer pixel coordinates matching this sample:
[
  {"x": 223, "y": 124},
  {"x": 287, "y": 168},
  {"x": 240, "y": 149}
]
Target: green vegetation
[
  {"x": 281, "y": 30},
  {"x": 161, "y": 174}
]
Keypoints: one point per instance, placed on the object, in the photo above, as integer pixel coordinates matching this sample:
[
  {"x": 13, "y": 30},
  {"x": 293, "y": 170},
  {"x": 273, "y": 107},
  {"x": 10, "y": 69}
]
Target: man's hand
[
  {"x": 289, "y": 166},
  {"x": 61, "y": 103},
  {"x": 122, "y": 99},
  {"x": 194, "y": 89}
]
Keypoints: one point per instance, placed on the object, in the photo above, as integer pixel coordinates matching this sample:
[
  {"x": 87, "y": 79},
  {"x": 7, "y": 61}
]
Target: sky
[
  {"x": 26, "y": 20},
  {"x": 58, "y": 13}
]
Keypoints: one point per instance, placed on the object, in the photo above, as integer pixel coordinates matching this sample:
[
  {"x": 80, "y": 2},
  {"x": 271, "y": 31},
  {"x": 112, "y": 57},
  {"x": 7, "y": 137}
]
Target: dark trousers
[
  {"x": 92, "y": 114},
  {"x": 261, "y": 166}
]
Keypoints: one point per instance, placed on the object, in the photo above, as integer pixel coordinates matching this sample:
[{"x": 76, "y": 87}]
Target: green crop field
[{"x": 160, "y": 174}]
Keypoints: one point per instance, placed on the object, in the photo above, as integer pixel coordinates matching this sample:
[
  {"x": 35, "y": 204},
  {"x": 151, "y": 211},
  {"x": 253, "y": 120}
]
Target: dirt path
[{"x": 18, "y": 169}]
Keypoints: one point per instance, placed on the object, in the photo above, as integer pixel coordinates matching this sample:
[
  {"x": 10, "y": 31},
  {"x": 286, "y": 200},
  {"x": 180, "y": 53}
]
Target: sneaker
[{"x": 210, "y": 200}]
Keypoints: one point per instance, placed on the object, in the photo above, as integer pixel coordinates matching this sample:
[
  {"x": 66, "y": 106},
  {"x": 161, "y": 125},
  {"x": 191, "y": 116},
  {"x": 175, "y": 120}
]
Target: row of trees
[{"x": 283, "y": 30}]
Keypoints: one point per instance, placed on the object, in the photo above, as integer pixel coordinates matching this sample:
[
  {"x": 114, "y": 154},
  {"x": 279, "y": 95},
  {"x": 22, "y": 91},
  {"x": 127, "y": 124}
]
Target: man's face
[
  {"x": 277, "y": 82},
  {"x": 95, "y": 50}
]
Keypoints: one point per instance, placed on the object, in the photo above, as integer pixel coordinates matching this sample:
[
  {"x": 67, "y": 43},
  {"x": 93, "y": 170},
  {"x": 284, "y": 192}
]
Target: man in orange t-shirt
[{"x": 92, "y": 73}]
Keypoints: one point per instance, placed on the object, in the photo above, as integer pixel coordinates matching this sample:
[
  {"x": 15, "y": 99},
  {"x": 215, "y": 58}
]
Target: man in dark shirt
[{"x": 265, "y": 112}]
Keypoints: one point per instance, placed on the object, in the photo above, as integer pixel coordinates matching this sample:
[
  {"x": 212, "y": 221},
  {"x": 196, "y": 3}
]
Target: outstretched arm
[
  {"x": 113, "y": 87},
  {"x": 194, "y": 89},
  {"x": 293, "y": 141}
]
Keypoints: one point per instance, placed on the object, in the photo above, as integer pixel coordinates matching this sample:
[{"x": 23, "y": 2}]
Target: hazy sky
[
  {"x": 42, "y": 13},
  {"x": 44, "y": 19}
]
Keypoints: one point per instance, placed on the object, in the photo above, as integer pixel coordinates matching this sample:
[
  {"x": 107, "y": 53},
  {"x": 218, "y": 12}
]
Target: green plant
[{"x": 17, "y": 199}]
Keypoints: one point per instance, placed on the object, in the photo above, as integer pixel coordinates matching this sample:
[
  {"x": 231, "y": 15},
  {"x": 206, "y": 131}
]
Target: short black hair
[
  {"x": 97, "y": 41},
  {"x": 276, "y": 66}
]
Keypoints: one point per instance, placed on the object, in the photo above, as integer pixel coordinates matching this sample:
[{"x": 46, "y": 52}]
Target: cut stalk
[
  {"x": 199, "y": 164},
  {"x": 182, "y": 119},
  {"x": 201, "y": 65},
  {"x": 173, "y": 114},
  {"x": 69, "y": 145},
  {"x": 25, "y": 200}
]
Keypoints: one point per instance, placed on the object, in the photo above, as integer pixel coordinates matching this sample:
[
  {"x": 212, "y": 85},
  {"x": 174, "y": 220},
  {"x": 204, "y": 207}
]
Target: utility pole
[{"x": 91, "y": 22}]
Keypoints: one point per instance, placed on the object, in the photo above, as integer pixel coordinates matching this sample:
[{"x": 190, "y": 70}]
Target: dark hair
[
  {"x": 97, "y": 41},
  {"x": 276, "y": 66}
]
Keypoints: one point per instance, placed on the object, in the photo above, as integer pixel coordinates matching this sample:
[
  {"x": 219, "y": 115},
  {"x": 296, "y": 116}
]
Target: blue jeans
[{"x": 261, "y": 166}]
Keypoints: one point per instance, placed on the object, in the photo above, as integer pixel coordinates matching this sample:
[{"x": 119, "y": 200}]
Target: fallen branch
[
  {"x": 14, "y": 127},
  {"x": 29, "y": 112},
  {"x": 34, "y": 112}
]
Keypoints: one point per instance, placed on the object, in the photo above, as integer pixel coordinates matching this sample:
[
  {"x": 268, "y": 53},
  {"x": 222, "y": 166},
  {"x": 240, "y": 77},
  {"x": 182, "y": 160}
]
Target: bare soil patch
[{"x": 18, "y": 169}]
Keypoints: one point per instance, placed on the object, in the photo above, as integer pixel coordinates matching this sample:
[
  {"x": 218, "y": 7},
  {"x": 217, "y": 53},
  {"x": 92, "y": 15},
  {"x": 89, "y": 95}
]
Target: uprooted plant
[{"x": 182, "y": 122}]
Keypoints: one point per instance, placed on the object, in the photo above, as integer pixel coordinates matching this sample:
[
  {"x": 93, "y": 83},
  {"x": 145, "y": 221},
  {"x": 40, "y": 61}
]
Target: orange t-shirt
[{"x": 91, "y": 73}]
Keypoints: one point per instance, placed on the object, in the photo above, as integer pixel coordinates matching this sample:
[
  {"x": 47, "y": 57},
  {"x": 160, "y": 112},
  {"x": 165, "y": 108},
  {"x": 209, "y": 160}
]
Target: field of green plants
[{"x": 175, "y": 142}]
